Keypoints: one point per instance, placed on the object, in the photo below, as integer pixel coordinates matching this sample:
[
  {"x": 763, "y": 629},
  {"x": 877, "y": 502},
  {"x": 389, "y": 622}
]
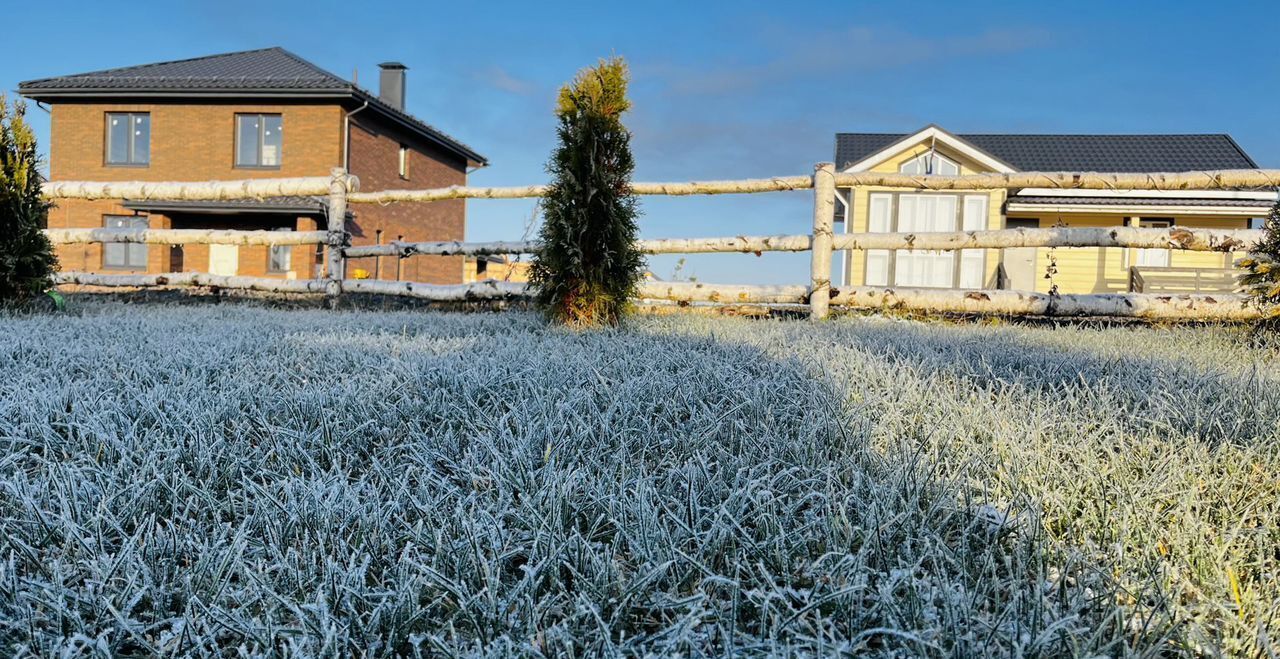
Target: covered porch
[{"x": 1113, "y": 270}]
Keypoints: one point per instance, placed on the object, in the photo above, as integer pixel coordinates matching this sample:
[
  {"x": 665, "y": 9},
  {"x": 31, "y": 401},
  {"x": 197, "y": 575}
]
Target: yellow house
[{"x": 1072, "y": 270}]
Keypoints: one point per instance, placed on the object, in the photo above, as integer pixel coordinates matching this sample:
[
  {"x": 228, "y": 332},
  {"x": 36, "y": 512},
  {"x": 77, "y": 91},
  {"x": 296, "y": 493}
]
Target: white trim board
[
  {"x": 1152, "y": 194},
  {"x": 1234, "y": 211},
  {"x": 938, "y": 134}
]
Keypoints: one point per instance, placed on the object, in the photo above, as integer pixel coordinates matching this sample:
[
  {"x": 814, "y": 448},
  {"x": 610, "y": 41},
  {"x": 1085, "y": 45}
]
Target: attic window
[
  {"x": 404, "y": 162},
  {"x": 930, "y": 163}
]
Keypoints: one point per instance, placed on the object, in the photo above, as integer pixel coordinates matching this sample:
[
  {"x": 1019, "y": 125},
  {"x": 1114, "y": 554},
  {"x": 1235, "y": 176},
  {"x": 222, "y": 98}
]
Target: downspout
[{"x": 346, "y": 137}]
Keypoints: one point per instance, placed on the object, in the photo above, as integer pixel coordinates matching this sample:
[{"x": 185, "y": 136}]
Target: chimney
[{"x": 391, "y": 84}]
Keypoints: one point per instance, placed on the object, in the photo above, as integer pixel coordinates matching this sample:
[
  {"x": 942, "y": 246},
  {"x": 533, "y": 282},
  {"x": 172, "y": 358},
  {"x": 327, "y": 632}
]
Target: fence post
[
  {"x": 824, "y": 214},
  {"x": 337, "y": 216}
]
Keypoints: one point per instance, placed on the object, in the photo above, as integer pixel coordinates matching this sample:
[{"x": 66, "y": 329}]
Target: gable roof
[
  {"x": 1076, "y": 153},
  {"x": 264, "y": 73}
]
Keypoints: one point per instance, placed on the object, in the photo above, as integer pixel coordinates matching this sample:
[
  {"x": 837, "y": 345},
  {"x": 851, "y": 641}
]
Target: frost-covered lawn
[{"x": 197, "y": 480}]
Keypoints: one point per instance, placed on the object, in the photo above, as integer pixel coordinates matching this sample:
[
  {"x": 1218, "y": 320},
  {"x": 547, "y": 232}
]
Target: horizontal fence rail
[
  {"x": 1150, "y": 306},
  {"x": 193, "y": 191},
  {"x": 442, "y": 248},
  {"x": 340, "y": 189},
  {"x": 1210, "y": 180},
  {"x": 201, "y": 279},
  {"x": 186, "y": 237},
  {"x": 1196, "y": 240}
]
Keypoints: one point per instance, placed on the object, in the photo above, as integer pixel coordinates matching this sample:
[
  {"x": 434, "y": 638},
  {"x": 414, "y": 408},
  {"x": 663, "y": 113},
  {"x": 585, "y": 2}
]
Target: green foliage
[
  {"x": 1261, "y": 278},
  {"x": 588, "y": 265},
  {"x": 27, "y": 262}
]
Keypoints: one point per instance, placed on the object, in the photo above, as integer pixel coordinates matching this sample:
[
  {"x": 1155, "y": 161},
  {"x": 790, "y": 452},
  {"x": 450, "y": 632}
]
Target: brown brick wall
[
  {"x": 191, "y": 142},
  {"x": 196, "y": 142},
  {"x": 375, "y": 159}
]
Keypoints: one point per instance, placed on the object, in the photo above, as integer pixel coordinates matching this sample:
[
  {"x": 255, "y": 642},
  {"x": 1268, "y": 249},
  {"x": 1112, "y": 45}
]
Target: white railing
[{"x": 341, "y": 189}]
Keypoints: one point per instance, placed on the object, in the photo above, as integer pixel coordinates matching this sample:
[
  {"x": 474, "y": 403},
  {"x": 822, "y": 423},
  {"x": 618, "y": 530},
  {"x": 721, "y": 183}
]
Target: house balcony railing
[{"x": 1163, "y": 279}]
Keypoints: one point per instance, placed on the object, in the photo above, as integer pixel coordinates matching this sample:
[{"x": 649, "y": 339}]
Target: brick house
[{"x": 253, "y": 114}]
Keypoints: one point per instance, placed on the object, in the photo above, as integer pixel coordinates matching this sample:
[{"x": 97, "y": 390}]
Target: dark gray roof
[
  {"x": 265, "y": 73},
  {"x": 288, "y": 205},
  {"x": 1077, "y": 153},
  {"x": 1134, "y": 201}
]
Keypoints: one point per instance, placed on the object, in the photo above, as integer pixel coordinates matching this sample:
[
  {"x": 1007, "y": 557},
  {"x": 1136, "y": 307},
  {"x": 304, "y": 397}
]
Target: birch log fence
[{"x": 340, "y": 189}]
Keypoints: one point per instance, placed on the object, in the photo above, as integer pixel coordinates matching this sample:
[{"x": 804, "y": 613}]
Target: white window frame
[
  {"x": 940, "y": 162},
  {"x": 880, "y": 266},
  {"x": 404, "y": 162}
]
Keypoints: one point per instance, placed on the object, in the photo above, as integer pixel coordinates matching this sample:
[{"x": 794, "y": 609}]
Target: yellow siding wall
[
  {"x": 1106, "y": 269},
  {"x": 858, "y": 214}
]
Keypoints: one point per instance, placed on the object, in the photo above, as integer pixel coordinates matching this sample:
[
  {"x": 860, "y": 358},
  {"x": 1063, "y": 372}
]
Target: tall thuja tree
[
  {"x": 27, "y": 262},
  {"x": 1261, "y": 278},
  {"x": 588, "y": 265}
]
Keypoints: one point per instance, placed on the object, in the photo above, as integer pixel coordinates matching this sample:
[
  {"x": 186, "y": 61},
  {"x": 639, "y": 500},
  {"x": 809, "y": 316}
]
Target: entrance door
[
  {"x": 224, "y": 260},
  {"x": 1020, "y": 262},
  {"x": 1153, "y": 258},
  {"x": 926, "y": 212}
]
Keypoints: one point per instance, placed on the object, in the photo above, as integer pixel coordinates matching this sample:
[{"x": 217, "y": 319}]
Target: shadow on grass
[{"x": 473, "y": 484}]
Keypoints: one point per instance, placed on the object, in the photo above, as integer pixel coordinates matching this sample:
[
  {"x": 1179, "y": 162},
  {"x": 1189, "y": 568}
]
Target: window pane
[
  {"x": 141, "y": 138},
  {"x": 247, "y": 139},
  {"x": 272, "y": 140},
  {"x": 279, "y": 261},
  {"x": 125, "y": 255},
  {"x": 117, "y": 138}
]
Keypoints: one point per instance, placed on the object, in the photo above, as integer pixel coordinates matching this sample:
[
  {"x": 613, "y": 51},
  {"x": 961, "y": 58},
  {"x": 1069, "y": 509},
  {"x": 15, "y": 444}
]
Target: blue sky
[{"x": 726, "y": 90}]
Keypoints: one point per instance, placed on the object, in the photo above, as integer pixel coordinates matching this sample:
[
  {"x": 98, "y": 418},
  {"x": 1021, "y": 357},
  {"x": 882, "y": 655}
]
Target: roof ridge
[
  {"x": 888, "y": 134},
  {"x": 155, "y": 64},
  {"x": 1101, "y": 134},
  {"x": 313, "y": 66}
]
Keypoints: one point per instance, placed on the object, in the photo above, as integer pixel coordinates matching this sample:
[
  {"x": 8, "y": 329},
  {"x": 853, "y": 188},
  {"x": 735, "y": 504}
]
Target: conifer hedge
[{"x": 27, "y": 262}]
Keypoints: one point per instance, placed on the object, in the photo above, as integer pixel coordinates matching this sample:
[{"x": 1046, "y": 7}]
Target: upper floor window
[
  {"x": 128, "y": 138},
  {"x": 930, "y": 163},
  {"x": 404, "y": 162},
  {"x": 259, "y": 139},
  {"x": 126, "y": 256}
]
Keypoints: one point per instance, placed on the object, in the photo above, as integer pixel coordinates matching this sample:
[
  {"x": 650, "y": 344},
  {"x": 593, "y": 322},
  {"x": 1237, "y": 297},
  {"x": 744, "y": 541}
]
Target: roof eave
[{"x": 473, "y": 159}]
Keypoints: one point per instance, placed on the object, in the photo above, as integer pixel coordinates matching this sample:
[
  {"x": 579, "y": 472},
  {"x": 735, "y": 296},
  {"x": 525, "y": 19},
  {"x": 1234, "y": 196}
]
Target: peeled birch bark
[
  {"x": 1196, "y": 240},
  {"x": 189, "y": 191},
  {"x": 185, "y": 236},
  {"x": 527, "y": 191},
  {"x": 824, "y": 212},
  {"x": 721, "y": 293},
  {"x": 179, "y": 279},
  {"x": 744, "y": 186},
  {"x": 451, "y": 192},
  {"x": 1210, "y": 180},
  {"x": 744, "y": 244},
  {"x": 1151, "y": 306},
  {"x": 442, "y": 248},
  {"x": 483, "y": 290},
  {"x": 336, "y": 207}
]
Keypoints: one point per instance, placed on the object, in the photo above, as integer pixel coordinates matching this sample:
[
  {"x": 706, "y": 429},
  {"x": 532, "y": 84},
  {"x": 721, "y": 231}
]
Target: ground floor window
[
  {"x": 926, "y": 212},
  {"x": 280, "y": 257},
  {"x": 127, "y": 256}
]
